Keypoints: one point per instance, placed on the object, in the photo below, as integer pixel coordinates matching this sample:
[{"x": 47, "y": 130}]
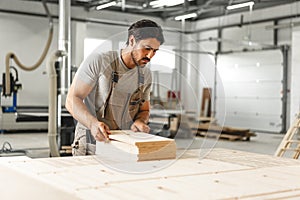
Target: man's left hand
[{"x": 139, "y": 125}]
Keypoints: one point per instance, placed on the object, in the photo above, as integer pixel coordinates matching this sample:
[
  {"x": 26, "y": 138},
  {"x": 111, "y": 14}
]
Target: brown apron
[
  {"x": 118, "y": 112},
  {"x": 122, "y": 105}
]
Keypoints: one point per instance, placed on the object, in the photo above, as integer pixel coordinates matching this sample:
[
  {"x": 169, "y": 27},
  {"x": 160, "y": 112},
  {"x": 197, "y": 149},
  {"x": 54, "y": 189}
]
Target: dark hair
[{"x": 144, "y": 29}]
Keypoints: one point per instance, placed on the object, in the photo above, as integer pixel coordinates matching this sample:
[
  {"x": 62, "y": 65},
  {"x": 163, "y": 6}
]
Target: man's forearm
[
  {"x": 143, "y": 116},
  {"x": 80, "y": 112}
]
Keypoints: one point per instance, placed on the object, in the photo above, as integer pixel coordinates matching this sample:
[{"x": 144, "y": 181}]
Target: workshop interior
[{"x": 225, "y": 77}]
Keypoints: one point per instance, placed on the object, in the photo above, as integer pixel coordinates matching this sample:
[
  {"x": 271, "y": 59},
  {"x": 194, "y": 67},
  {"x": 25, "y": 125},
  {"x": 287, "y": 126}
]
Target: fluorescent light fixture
[
  {"x": 241, "y": 5},
  {"x": 187, "y": 16},
  {"x": 161, "y": 3},
  {"x": 106, "y": 5},
  {"x": 168, "y": 3}
]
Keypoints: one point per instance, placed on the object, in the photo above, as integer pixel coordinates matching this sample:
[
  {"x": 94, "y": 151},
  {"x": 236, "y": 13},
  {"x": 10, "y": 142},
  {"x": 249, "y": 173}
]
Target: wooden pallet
[
  {"x": 245, "y": 137},
  {"x": 230, "y": 133}
]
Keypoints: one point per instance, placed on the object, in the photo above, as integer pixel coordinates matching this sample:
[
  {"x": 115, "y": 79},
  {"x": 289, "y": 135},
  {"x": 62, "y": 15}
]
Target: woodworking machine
[{"x": 12, "y": 117}]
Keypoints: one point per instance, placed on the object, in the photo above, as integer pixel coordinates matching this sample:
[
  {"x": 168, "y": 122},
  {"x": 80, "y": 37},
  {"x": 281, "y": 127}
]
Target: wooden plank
[
  {"x": 137, "y": 146},
  {"x": 206, "y": 103},
  {"x": 131, "y": 137}
]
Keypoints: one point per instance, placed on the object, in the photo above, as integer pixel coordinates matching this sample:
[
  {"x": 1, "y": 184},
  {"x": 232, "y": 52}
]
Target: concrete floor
[{"x": 35, "y": 145}]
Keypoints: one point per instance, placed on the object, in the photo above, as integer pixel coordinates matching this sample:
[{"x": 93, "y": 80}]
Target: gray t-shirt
[{"x": 96, "y": 70}]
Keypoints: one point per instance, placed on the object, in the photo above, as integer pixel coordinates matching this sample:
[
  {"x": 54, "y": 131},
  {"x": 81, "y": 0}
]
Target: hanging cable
[
  {"x": 11, "y": 55},
  {"x": 7, "y": 148}
]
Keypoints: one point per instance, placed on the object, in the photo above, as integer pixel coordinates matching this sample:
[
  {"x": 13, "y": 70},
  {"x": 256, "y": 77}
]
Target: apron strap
[
  {"x": 141, "y": 78},
  {"x": 114, "y": 81}
]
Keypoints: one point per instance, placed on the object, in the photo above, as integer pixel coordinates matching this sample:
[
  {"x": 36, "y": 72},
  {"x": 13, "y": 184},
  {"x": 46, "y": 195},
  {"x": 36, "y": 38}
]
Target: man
[{"x": 112, "y": 90}]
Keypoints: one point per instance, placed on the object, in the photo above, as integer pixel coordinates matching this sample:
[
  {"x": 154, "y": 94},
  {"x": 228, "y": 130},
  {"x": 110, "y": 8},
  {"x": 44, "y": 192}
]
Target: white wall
[
  {"x": 26, "y": 36},
  {"x": 295, "y": 71}
]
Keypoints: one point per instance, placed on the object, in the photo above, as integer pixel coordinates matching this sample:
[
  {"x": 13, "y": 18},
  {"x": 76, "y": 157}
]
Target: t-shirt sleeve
[
  {"x": 146, "y": 95},
  {"x": 90, "y": 69},
  {"x": 148, "y": 86}
]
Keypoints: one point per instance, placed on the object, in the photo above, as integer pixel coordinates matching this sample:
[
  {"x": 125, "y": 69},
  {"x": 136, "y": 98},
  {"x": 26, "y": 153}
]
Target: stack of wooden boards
[
  {"x": 224, "y": 132},
  {"x": 137, "y": 145}
]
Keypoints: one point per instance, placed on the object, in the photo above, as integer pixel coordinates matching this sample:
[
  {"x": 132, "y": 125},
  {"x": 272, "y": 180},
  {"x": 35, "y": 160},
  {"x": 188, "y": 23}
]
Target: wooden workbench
[{"x": 222, "y": 174}]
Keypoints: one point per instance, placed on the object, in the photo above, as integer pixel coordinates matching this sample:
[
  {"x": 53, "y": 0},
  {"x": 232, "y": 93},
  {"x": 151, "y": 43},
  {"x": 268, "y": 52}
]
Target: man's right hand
[{"x": 100, "y": 131}]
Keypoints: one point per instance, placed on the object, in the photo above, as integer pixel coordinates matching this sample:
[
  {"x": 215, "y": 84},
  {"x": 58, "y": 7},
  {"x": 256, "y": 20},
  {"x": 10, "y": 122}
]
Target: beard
[{"x": 137, "y": 61}]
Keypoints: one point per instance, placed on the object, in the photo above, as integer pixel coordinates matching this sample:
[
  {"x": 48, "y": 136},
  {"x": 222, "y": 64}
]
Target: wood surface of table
[{"x": 221, "y": 174}]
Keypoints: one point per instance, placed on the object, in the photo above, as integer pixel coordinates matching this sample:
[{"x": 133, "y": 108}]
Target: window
[
  {"x": 164, "y": 59},
  {"x": 94, "y": 44},
  {"x": 122, "y": 44}
]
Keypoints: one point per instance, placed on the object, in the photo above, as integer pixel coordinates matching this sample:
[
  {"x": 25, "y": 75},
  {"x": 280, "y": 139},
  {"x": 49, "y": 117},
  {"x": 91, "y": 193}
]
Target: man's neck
[{"x": 127, "y": 58}]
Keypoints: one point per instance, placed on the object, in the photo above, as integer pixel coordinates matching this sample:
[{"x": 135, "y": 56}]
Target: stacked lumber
[
  {"x": 224, "y": 132},
  {"x": 137, "y": 145}
]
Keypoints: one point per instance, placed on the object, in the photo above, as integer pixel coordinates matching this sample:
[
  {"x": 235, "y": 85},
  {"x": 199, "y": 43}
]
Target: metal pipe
[
  {"x": 123, "y": 5},
  {"x": 53, "y": 101},
  {"x": 64, "y": 43},
  {"x": 275, "y": 34},
  {"x": 246, "y": 23},
  {"x": 55, "y": 92},
  {"x": 181, "y": 42},
  {"x": 219, "y": 45},
  {"x": 284, "y": 50},
  {"x": 214, "y": 93},
  {"x": 193, "y": 51}
]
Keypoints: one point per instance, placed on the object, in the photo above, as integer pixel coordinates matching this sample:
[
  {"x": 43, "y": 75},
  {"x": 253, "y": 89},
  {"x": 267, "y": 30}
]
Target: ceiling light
[
  {"x": 241, "y": 5},
  {"x": 187, "y": 16},
  {"x": 106, "y": 5},
  {"x": 168, "y": 3},
  {"x": 161, "y": 3}
]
